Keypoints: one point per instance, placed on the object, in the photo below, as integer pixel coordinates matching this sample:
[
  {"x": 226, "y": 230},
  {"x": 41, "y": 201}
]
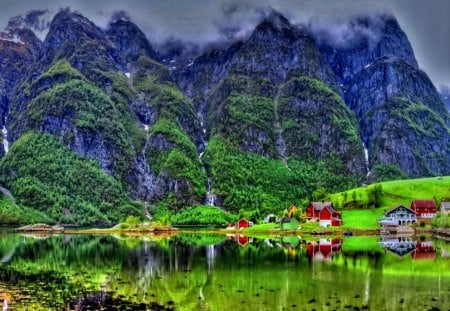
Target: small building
[
  {"x": 270, "y": 218},
  {"x": 242, "y": 224},
  {"x": 291, "y": 211},
  {"x": 398, "y": 216},
  {"x": 288, "y": 223},
  {"x": 329, "y": 217},
  {"x": 425, "y": 210},
  {"x": 314, "y": 208},
  {"x": 445, "y": 208}
]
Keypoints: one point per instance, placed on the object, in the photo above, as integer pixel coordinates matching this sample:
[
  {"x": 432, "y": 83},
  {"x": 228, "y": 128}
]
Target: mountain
[
  {"x": 445, "y": 96},
  {"x": 402, "y": 120},
  {"x": 253, "y": 126}
]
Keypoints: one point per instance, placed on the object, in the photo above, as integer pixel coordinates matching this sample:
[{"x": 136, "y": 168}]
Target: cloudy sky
[{"x": 426, "y": 22}]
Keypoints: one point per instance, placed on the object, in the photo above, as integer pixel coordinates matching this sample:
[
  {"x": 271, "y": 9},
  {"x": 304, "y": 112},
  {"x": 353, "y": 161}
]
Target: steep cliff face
[
  {"x": 18, "y": 50},
  {"x": 380, "y": 37},
  {"x": 392, "y": 100}
]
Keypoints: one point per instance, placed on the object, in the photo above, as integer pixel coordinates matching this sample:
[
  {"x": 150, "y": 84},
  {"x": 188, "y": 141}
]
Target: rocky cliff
[{"x": 254, "y": 125}]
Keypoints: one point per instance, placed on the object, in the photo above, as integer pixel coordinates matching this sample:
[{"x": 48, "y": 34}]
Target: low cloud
[{"x": 349, "y": 32}]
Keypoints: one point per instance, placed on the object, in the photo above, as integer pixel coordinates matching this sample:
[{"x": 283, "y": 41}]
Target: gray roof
[
  {"x": 445, "y": 205},
  {"x": 318, "y": 206}
]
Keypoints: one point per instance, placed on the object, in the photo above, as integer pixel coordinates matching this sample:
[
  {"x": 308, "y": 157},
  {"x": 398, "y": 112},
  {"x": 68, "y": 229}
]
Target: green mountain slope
[{"x": 45, "y": 175}]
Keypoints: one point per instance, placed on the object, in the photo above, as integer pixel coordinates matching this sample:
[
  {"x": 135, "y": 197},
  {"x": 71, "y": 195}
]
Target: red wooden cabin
[
  {"x": 314, "y": 208},
  {"x": 242, "y": 224},
  {"x": 425, "y": 210},
  {"x": 329, "y": 217}
]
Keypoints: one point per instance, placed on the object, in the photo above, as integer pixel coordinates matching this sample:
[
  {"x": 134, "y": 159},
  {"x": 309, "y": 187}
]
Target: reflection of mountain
[{"x": 324, "y": 249}]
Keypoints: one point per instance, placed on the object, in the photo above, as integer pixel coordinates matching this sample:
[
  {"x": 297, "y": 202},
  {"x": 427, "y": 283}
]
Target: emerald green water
[{"x": 215, "y": 272}]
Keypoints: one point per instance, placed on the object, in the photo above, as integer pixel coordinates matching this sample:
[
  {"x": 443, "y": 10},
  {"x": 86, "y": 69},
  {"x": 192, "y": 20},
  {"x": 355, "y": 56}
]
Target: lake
[{"x": 218, "y": 272}]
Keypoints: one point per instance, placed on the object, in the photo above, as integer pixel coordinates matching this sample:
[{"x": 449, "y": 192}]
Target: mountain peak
[
  {"x": 276, "y": 19},
  {"x": 129, "y": 40},
  {"x": 68, "y": 20}
]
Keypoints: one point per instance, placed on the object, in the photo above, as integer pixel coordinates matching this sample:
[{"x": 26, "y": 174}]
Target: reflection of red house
[
  {"x": 242, "y": 223},
  {"x": 314, "y": 208},
  {"x": 329, "y": 217},
  {"x": 324, "y": 249},
  {"x": 424, "y": 250},
  {"x": 425, "y": 210},
  {"x": 242, "y": 240}
]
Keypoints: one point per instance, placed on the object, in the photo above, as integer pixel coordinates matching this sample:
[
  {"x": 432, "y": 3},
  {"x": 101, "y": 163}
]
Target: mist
[{"x": 201, "y": 25}]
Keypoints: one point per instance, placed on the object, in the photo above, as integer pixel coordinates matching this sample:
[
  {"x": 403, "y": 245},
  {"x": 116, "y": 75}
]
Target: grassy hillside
[
  {"x": 392, "y": 193},
  {"x": 50, "y": 179}
]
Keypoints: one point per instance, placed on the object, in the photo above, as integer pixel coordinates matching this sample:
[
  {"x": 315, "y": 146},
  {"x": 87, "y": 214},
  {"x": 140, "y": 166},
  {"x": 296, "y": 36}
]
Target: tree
[{"x": 354, "y": 196}]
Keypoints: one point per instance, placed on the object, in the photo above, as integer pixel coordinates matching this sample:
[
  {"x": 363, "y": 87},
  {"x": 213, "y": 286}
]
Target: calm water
[{"x": 214, "y": 272}]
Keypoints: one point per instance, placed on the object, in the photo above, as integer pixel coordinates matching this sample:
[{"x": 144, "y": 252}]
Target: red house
[
  {"x": 329, "y": 217},
  {"x": 425, "y": 210},
  {"x": 242, "y": 224},
  {"x": 314, "y": 208}
]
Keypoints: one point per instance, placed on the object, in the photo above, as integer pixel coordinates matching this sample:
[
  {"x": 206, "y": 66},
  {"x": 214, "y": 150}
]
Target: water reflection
[
  {"x": 403, "y": 245},
  {"x": 215, "y": 272}
]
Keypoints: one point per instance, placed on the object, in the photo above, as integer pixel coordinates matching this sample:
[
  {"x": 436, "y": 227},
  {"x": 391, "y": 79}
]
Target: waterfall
[
  {"x": 5, "y": 139},
  {"x": 201, "y": 116},
  {"x": 210, "y": 198},
  {"x": 366, "y": 156}
]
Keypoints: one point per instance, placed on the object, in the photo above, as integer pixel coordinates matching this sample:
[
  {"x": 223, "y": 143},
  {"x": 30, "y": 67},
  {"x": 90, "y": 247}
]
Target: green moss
[
  {"x": 243, "y": 116},
  {"x": 417, "y": 116},
  {"x": 305, "y": 104},
  {"x": 61, "y": 68}
]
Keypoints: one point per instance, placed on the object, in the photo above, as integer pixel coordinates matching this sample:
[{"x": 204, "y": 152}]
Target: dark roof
[
  {"x": 423, "y": 203},
  {"x": 318, "y": 206},
  {"x": 398, "y": 206}
]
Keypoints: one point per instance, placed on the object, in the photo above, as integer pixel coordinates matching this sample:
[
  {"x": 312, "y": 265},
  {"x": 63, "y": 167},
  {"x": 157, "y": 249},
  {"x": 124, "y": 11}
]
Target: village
[
  {"x": 397, "y": 219},
  {"x": 396, "y": 230}
]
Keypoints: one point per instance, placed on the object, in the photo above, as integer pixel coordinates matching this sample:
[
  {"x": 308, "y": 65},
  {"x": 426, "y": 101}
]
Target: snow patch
[
  {"x": 368, "y": 65},
  {"x": 15, "y": 38},
  {"x": 128, "y": 75},
  {"x": 145, "y": 127}
]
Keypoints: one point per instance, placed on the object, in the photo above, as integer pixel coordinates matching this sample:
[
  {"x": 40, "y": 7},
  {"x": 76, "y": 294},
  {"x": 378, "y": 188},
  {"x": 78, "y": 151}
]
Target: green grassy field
[
  {"x": 399, "y": 192},
  {"x": 364, "y": 219}
]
